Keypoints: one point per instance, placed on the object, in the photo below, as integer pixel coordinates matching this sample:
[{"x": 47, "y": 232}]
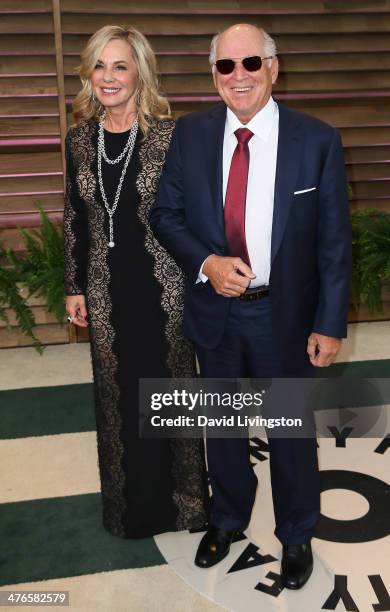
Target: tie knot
[{"x": 243, "y": 135}]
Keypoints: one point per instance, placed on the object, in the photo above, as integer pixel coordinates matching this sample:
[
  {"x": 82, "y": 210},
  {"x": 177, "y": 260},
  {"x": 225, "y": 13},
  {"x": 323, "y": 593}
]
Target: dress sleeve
[{"x": 75, "y": 229}]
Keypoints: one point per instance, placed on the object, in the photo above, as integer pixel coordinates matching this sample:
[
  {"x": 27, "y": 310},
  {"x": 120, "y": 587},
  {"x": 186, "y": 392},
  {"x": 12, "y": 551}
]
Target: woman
[{"x": 124, "y": 286}]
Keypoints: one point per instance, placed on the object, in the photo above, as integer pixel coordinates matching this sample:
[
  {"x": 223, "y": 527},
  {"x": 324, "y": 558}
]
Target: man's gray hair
[{"x": 269, "y": 45}]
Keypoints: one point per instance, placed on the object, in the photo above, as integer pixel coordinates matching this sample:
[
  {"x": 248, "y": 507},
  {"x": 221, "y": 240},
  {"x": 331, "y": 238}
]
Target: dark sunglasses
[{"x": 251, "y": 64}]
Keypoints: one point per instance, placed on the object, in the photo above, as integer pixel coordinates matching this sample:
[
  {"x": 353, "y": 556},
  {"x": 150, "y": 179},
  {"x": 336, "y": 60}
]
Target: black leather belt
[{"x": 254, "y": 293}]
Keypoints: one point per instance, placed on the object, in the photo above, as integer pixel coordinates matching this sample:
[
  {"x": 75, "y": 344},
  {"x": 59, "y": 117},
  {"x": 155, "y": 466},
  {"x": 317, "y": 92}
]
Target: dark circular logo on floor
[{"x": 351, "y": 548}]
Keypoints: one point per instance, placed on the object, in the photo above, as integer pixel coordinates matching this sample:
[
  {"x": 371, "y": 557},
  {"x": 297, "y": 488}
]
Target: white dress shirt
[{"x": 263, "y": 147}]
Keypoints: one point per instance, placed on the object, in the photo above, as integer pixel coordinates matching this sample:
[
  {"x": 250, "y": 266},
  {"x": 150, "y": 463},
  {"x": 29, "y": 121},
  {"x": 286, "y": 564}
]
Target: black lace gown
[{"x": 134, "y": 302}]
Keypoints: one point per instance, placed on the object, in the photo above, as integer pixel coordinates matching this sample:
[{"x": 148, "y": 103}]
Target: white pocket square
[{"x": 305, "y": 190}]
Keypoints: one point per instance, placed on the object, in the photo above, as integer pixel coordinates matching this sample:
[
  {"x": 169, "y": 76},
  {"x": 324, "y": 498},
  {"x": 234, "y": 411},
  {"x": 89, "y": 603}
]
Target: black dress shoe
[
  {"x": 214, "y": 546},
  {"x": 297, "y": 565}
]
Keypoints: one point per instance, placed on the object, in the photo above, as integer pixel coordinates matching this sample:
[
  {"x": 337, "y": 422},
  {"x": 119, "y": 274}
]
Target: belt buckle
[{"x": 256, "y": 294}]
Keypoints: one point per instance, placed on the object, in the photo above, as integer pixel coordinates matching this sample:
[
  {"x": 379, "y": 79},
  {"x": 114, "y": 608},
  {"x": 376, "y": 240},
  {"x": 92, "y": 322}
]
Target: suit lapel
[
  {"x": 287, "y": 167},
  {"x": 213, "y": 151}
]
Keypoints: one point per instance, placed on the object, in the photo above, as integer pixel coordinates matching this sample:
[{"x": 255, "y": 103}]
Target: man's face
[{"x": 244, "y": 92}]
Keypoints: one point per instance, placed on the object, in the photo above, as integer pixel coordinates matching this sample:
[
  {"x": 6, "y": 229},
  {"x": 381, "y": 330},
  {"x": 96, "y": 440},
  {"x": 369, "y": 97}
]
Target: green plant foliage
[
  {"x": 41, "y": 268},
  {"x": 10, "y": 298},
  {"x": 371, "y": 256}
]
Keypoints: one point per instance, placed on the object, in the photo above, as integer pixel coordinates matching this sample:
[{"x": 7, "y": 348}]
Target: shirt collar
[{"x": 261, "y": 124}]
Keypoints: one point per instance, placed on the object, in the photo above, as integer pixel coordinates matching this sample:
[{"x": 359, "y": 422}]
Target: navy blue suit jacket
[{"x": 311, "y": 241}]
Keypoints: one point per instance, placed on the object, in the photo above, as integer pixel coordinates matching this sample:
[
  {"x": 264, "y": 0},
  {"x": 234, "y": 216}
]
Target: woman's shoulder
[
  {"x": 162, "y": 126},
  {"x": 160, "y": 133},
  {"x": 79, "y": 140},
  {"x": 81, "y": 129}
]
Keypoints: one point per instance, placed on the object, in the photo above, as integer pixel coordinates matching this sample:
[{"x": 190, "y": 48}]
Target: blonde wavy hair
[{"x": 151, "y": 104}]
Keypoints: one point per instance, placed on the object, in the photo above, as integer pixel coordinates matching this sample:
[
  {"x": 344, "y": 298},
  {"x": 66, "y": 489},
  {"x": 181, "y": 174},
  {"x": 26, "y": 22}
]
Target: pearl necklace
[{"x": 128, "y": 150}]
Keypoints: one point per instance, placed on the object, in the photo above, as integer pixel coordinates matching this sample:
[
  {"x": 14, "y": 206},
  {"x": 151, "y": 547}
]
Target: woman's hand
[{"x": 76, "y": 309}]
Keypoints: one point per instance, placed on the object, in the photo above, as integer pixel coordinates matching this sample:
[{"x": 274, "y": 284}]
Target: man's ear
[{"x": 274, "y": 69}]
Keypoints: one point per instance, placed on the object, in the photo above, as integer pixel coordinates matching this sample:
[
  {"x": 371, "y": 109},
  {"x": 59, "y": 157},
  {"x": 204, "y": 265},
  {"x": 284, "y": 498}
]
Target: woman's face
[{"x": 115, "y": 77}]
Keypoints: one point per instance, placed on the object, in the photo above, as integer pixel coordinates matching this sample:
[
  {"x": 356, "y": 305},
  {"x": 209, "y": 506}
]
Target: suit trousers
[{"x": 248, "y": 349}]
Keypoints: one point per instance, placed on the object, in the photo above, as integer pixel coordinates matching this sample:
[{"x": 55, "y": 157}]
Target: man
[{"x": 253, "y": 206}]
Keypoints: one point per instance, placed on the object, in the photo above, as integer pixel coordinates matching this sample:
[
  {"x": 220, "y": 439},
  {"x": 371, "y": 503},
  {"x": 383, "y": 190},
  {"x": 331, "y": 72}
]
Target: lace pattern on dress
[
  {"x": 72, "y": 288},
  {"x": 104, "y": 361},
  {"x": 188, "y": 467}
]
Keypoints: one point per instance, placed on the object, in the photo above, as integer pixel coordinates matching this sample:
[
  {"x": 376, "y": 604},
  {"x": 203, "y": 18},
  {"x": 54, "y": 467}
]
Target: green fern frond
[
  {"x": 10, "y": 298},
  {"x": 371, "y": 256},
  {"x": 42, "y": 267}
]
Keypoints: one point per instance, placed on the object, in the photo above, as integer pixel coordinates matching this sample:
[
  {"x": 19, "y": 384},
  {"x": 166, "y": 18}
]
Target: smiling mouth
[
  {"x": 110, "y": 90},
  {"x": 241, "y": 89}
]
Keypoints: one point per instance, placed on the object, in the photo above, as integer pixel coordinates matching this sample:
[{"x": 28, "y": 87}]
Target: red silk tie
[{"x": 235, "y": 199}]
